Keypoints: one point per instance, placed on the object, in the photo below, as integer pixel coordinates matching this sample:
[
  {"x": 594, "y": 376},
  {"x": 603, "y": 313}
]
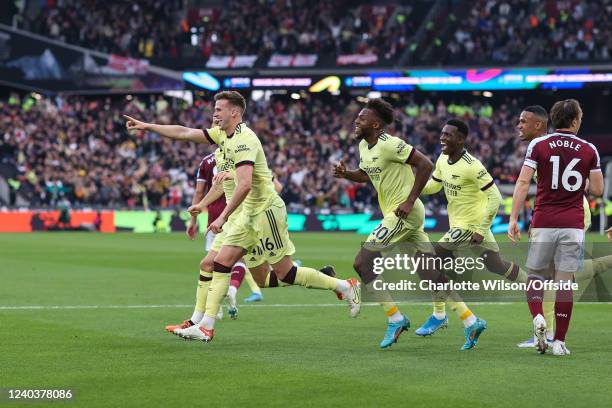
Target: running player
[
  {"x": 387, "y": 162},
  {"x": 473, "y": 202},
  {"x": 261, "y": 219}
]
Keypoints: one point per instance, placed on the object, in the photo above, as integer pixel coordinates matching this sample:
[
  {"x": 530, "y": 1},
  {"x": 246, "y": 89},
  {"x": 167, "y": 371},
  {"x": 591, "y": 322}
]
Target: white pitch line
[
  {"x": 82, "y": 307},
  {"x": 262, "y": 305}
]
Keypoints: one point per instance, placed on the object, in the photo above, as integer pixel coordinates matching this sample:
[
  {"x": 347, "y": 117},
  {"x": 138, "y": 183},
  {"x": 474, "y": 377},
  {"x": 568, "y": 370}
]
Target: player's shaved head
[
  {"x": 538, "y": 111},
  {"x": 382, "y": 109},
  {"x": 533, "y": 122}
]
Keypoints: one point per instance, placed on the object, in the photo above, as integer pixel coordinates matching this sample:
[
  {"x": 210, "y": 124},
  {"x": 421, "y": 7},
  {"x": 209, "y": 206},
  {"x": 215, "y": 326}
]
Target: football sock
[
  {"x": 392, "y": 312},
  {"x": 535, "y": 296},
  {"x": 515, "y": 273},
  {"x": 232, "y": 290},
  {"x": 548, "y": 307},
  {"x": 384, "y": 298},
  {"x": 271, "y": 280},
  {"x": 237, "y": 276},
  {"x": 465, "y": 314},
  {"x": 251, "y": 282},
  {"x": 311, "y": 278},
  {"x": 439, "y": 310},
  {"x": 201, "y": 294},
  {"x": 563, "y": 312},
  {"x": 218, "y": 289}
]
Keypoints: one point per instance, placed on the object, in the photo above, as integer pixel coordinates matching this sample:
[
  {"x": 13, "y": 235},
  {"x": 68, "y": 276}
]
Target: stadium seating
[{"x": 101, "y": 165}]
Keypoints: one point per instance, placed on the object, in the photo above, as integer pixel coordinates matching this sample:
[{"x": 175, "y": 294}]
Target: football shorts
[
  {"x": 265, "y": 236},
  {"x": 393, "y": 231},
  {"x": 458, "y": 239},
  {"x": 563, "y": 246}
]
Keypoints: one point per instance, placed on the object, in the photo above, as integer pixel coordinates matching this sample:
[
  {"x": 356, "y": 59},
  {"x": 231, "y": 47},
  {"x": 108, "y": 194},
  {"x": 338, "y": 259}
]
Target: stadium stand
[{"x": 77, "y": 148}]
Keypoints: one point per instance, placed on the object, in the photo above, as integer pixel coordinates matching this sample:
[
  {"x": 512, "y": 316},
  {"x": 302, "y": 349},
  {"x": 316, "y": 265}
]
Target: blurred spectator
[
  {"x": 78, "y": 149},
  {"x": 152, "y": 28}
]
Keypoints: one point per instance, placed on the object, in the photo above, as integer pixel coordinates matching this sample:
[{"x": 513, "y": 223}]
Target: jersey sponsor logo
[
  {"x": 373, "y": 172},
  {"x": 242, "y": 148},
  {"x": 481, "y": 174},
  {"x": 451, "y": 186},
  {"x": 451, "y": 189}
]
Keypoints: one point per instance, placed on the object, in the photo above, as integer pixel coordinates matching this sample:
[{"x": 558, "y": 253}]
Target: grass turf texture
[{"x": 271, "y": 356}]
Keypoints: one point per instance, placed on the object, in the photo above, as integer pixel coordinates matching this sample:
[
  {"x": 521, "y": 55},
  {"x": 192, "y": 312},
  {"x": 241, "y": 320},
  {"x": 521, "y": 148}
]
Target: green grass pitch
[{"x": 292, "y": 350}]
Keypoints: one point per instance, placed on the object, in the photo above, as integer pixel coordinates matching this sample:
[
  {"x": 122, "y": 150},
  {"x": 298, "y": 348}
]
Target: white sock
[
  {"x": 470, "y": 320},
  {"x": 208, "y": 322},
  {"x": 196, "y": 317},
  {"x": 439, "y": 315},
  {"x": 232, "y": 291},
  {"x": 396, "y": 317}
]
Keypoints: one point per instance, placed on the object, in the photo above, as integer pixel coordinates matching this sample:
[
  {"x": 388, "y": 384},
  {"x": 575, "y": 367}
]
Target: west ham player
[
  {"x": 533, "y": 122},
  {"x": 255, "y": 215},
  {"x": 564, "y": 163}
]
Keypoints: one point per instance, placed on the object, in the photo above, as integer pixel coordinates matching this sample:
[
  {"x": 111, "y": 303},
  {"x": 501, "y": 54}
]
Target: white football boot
[
  {"x": 353, "y": 296},
  {"x": 539, "y": 332},
  {"x": 559, "y": 349}
]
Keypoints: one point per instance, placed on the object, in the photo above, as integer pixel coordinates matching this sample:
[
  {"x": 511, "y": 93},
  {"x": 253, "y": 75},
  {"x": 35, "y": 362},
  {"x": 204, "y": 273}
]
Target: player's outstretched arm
[
  {"x": 518, "y": 200},
  {"x": 175, "y": 132},
  {"x": 423, "y": 167}
]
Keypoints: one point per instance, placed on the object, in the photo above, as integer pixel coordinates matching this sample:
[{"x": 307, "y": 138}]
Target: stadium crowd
[
  {"x": 149, "y": 28},
  {"x": 578, "y": 31},
  {"x": 142, "y": 28},
  {"x": 77, "y": 149},
  {"x": 497, "y": 31},
  {"x": 505, "y": 31}
]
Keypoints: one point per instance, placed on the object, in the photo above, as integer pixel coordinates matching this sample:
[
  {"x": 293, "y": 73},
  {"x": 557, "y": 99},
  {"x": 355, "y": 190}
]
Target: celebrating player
[
  {"x": 214, "y": 201},
  {"x": 473, "y": 201},
  {"x": 260, "y": 219},
  {"x": 564, "y": 163},
  {"x": 386, "y": 161}
]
